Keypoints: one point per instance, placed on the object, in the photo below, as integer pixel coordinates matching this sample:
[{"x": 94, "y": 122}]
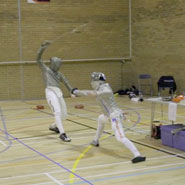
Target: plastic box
[
  {"x": 179, "y": 140},
  {"x": 168, "y": 138}
]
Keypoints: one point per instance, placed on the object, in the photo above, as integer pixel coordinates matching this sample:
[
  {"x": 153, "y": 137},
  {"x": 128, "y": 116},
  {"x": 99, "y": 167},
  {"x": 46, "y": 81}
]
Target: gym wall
[
  {"x": 97, "y": 47},
  {"x": 157, "y": 42}
]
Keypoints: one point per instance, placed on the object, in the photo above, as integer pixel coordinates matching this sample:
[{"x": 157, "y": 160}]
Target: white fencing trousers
[
  {"x": 102, "y": 119},
  {"x": 116, "y": 121},
  {"x": 57, "y": 104}
]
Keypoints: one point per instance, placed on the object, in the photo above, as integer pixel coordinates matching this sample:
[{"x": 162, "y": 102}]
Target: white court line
[
  {"x": 91, "y": 167},
  {"x": 129, "y": 171},
  {"x": 118, "y": 163},
  {"x": 76, "y": 138},
  {"x": 34, "y": 118},
  {"x": 41, "y": 183},
  {"x": 149, "y": 110},
  {"x": 177, "y": 163},
  {"x": 3, "y": 143},
  {"x": 47, "y": 140},
  {"x": 52, "y": 178}
]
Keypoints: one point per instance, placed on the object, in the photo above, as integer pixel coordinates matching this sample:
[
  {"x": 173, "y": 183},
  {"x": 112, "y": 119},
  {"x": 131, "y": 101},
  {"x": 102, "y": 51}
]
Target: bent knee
[
  {"x": 58, "y": 113},
  {"x": 102, "y": 119}
]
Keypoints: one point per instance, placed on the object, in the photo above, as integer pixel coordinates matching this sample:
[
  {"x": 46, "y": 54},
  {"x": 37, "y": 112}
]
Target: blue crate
[
  {"x": 179, "y": 140},
  {"x": 167, "y": 138}
]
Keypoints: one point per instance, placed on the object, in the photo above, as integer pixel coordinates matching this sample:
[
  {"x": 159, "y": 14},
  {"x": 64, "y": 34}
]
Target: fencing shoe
[
  {"x": 138, "y": 159},
  {"x": 95, "y": 143},
  {"x": 55, "y": 129},
  {"x": 64, "y": 137}
]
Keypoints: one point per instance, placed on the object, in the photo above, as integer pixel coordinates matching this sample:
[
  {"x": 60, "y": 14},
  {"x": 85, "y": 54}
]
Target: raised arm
[
  {"x": 64, "y": 80},
  {"x": 40, "y": 51}
]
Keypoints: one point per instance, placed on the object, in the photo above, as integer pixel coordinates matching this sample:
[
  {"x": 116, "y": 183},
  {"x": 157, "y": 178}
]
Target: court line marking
[
  {"x": 132, "y": 129},
  {"x": 49, "y": 153},
  {"x": 3, "y": 143},
  {"x": 41, "y": 183},
  {"x": 91, "y": 167},
  {"x": 151, "y": 171},
  {"x": 46, "y": 157},
  {"x": 5, "y": 132},
  {"x": 136, "y": 132},
  {"x": 32, "y": 118},
  {"x": 54, "y": 179},
  {"x": 71, "y": 177},
  {"x": 93, "y": 104},
  {"x": 146, "y": 109},
  {"x": 139, "y": 174},
  {"x": 136, "y": 170}
]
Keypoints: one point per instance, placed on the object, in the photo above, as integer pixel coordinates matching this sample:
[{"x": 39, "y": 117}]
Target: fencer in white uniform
[
  {"x": 54, "y": 96},
  {"x": 111, "y": 112}
]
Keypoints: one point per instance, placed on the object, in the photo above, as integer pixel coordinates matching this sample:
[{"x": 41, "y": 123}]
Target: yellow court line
[
  {"x": 77, "y": 161},
  {"x": 71, "y": 177}
]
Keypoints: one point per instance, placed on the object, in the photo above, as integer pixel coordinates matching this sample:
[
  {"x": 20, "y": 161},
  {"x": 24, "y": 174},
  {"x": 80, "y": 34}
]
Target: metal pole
[
  {"x": 130, "y": 27},
  {"x": 20, "y": 48},
  {"x": 123, "y": 60},
  {"x": 152, "y": 117}
]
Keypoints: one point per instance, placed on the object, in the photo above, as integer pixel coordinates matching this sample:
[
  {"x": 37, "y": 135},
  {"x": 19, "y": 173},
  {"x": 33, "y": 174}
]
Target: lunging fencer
[
  {"x": 111, "y": 112},
  {"x": 54, "y": 95}
]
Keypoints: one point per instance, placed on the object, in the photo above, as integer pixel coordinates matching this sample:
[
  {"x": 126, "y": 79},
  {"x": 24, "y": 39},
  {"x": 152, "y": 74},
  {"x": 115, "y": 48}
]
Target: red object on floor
[
  {"x": 40, "y": 107},
  {"x": 79, "y": 106}
]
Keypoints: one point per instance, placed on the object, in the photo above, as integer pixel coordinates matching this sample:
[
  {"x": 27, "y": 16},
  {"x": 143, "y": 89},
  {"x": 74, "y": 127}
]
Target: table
[{"x": 154, "y": 101}]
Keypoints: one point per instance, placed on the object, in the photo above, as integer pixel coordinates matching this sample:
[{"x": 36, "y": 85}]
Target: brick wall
[
  {"x": 158, "y": 41},
  {"x": 103, "y": 33}
]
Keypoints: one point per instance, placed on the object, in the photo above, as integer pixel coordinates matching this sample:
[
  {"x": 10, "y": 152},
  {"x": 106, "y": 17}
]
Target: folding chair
[
  {"x": 166, "y": 82},
  {"x": 145, "y": 84}
]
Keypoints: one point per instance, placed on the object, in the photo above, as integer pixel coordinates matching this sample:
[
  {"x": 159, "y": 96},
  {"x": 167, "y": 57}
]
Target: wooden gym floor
[{"x": 30, "y": 154}]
